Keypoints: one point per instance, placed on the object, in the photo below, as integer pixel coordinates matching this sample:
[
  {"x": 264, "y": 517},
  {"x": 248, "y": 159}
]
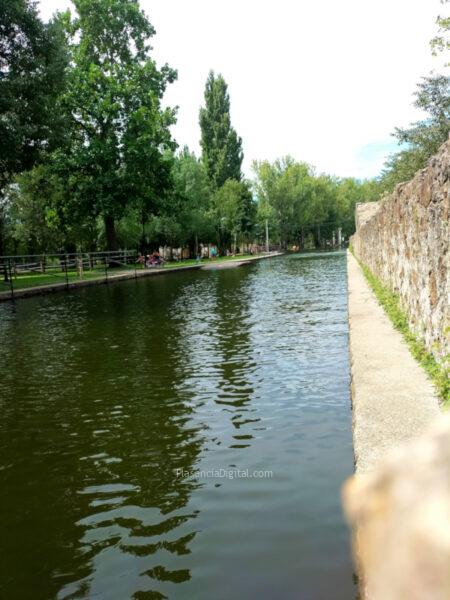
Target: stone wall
[{"x": 404, "y": 240}]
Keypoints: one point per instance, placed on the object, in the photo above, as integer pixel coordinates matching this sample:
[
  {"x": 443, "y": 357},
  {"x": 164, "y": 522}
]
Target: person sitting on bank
[{"x": 155, "y": 260}]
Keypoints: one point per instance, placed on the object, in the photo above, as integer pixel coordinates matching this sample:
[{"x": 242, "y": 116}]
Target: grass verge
[
  {"x": 390, "y": 301},
  {"x": 24, "y": 281}
]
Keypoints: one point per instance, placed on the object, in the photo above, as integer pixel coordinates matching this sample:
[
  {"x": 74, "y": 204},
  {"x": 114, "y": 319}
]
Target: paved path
[
  {"x": 131, "y": 274},
  {"x": 112, "y": 277},
  {"x": 393, "y": 399},
  {"x": 229, "y": 264}
]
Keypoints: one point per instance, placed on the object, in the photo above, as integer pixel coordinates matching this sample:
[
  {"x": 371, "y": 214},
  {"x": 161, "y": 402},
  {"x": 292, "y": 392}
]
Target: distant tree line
[{"x": 88, "y": 162}]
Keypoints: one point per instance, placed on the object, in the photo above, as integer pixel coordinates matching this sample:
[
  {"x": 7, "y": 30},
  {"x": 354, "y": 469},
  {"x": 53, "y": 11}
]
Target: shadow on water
[{"x": 128, "y": 412}]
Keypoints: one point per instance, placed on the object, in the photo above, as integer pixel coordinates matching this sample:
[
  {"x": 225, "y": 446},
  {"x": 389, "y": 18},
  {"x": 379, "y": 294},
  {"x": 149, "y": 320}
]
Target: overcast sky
[{"x": 323, "y": 80}]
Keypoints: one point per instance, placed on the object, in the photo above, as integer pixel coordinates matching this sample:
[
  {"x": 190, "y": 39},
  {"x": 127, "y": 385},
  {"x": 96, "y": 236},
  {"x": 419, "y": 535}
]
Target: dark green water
[{"x": 107, "y": 391}]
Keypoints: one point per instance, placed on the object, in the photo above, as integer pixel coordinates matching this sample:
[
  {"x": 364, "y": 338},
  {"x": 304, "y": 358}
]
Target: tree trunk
[
  {"x": 143, "y": 242},
  {"x": 110, "y": 231},
  {"x": 2, "y": 234},
  {"x": 317, "y": 238}
]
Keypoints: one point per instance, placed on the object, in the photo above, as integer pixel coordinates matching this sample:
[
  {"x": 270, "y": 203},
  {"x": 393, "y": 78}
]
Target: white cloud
[{"x": 317, "y": 79}]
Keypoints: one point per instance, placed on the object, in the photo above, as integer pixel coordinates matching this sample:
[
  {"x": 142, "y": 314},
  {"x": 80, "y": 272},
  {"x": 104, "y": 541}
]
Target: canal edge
[
  {"x": 393, "y": 400},
  {"x": 59, "y": 287}
]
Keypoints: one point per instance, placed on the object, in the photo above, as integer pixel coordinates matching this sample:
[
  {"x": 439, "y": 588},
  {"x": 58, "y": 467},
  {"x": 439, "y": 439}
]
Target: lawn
[{"x": 56, "y": 276}]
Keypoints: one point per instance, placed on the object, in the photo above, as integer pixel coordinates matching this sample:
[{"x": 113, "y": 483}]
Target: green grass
[
  {"x": 24, "y": 281},
  {"x": 21, "y": 282},
  {"x": 390, "y": 301}
]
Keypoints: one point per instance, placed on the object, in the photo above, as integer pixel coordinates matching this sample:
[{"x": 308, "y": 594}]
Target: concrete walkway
[
  {"x": 229, "y": 264},
  {"x": 393, "y": 399},
  {"x": 131, "y": 274}
]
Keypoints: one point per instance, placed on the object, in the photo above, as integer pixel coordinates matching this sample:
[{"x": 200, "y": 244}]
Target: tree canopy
[
  {"x": 88, "y": 162},
  {"x": 33, "y": 60},
  {"x": 118, "y": 131},
  {"x": 221, "y": 146},
  {"x": 299, "y": 204},
  {"x": 422, "y": 139}
]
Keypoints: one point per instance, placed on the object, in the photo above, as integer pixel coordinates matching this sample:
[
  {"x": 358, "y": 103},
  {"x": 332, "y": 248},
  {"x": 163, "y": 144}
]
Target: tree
[
  {"x": 285, "y": 186},
  {"x": 441, "y": 42},
  {"x": 301, "y": 205},
  {"x": 41, "y": 219},
  {"x": 349, "y": 192},
  {"x": 193, "y": 196},
  {"x": 36, "y": 225},
  {"x": 32, "y": 64},
  {"x": 119, "y": 132},
  {"x": 235, "y": 212},
  {"x": 33, "y": 59},
  {"x": 221, "y": 146},
  {"x": 432, "y": 96},
  {"x": 422, "y": 139}
]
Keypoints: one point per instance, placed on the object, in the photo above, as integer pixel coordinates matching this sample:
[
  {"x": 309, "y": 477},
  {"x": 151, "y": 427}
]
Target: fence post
[
  {"x": 65, "y": 271},
  {"x": 11, "y": 284},
  {"x": 106, "y": 269},
  {"x": 79, "y": 261}
]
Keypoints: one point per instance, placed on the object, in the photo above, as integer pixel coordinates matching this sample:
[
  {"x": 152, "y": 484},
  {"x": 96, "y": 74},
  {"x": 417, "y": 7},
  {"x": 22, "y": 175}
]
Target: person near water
[{"x": 155, "y": 259}]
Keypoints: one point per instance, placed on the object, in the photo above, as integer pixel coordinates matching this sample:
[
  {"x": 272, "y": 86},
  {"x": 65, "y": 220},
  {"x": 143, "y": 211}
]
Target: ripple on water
[{"x": 118, "y": 401}]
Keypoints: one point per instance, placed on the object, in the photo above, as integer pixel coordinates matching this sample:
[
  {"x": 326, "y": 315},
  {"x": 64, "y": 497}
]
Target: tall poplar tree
[{"x": 221, "y": 146}]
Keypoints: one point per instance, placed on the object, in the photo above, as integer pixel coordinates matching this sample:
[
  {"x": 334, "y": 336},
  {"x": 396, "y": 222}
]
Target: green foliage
[
  {"x": 441, "y": 42},
  {"x": 40, "y": 217},
  {"x": 108, "y": 174},
  {"x": 391, "y": 304},
  {"x": 32, "y": 62},
  {"x": 350, "y": 192},
  {"x": 82, "y": 120},
  {"x": 283, "y": 186},
  {"x": 298, "y": 203},
  {"x": 422, "y": 139},
  {"x": 235, "y": 211},
  {"x": 119, "y": 132},
  {"x": 193, "y": 200},
  {"x": 221, "y": 147},
  {"x": 36, "y": 221}
]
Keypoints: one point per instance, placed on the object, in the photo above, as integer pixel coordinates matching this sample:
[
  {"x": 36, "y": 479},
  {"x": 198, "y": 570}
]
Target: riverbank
[
  {"x": 218, "y": 263},
  {"x": 393, "y": 399}
]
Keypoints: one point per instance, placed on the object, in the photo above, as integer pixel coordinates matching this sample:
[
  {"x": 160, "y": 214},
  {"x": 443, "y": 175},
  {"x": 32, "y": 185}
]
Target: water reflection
[{"x": 114, "y": 398}]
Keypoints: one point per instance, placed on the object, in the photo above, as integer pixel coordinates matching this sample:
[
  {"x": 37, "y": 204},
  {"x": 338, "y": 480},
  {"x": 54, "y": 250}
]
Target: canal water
[{"x": 183, "y": 436}]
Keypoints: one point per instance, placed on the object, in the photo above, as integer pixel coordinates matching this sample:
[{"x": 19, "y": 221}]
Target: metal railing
[
  {"x": 25, "y": 271},
  {"x": 21, "y": 272}
]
